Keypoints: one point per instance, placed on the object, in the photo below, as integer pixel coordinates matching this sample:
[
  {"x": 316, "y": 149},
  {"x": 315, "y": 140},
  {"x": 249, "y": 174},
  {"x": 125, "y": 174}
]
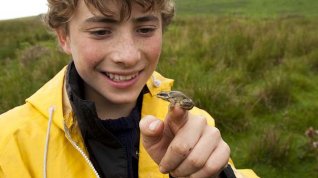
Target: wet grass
[
  {"x": 257, "y": 78},
  {"x": 248, "y": 8}
]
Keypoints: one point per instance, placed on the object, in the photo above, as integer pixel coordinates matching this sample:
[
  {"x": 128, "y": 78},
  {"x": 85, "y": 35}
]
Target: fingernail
[
  {"x": 154, "y": 125},
  {"x": 162, "y": 170}
]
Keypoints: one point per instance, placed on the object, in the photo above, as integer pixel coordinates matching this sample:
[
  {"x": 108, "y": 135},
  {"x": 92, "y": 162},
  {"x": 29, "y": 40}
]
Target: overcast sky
[{"x": 10, "y": 9}]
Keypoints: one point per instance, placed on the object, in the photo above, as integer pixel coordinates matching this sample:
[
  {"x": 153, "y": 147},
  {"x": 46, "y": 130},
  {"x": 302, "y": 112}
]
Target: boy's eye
[
  {"x": 146, "y": 31},
  {"x": 100, "y": 33}
]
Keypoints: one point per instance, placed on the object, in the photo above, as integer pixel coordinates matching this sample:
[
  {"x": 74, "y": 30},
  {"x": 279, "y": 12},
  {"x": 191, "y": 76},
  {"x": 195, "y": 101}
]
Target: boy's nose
[{"x": 126, "y": 52}]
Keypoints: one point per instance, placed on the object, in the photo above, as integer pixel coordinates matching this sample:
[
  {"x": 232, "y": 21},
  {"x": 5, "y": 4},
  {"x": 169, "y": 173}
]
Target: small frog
[{"x": 175, "y": 97}]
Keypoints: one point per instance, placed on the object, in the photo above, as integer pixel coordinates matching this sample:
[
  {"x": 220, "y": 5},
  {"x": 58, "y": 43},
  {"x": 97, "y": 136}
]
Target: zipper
[{"x": 81, "y": 152}]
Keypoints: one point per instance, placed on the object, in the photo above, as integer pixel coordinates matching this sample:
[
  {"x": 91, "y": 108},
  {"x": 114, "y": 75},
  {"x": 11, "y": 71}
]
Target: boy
[{"x": 87, "y": 121}]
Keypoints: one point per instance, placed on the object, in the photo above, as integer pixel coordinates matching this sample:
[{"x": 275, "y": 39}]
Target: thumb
[{"x": 151, "y": 130}]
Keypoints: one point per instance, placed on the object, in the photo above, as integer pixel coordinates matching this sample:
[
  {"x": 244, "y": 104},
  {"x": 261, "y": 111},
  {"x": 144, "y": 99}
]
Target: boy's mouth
[{"x": 120, "y": 78}]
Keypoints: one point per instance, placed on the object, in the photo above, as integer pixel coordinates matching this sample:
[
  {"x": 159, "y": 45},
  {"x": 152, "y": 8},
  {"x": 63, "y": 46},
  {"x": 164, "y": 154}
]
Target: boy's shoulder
[
  {"x": 203, "y": 113},
  {"x": 13, "y": 116},
  {"x": 18, "y": 119}
]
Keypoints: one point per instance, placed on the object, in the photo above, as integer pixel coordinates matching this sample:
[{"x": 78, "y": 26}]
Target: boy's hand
[{"x": 184, "y": 145}]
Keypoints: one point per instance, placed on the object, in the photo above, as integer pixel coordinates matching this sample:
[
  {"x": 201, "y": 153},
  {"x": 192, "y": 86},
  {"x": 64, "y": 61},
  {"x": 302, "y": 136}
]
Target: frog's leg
[{"x": 172, "y": 103}]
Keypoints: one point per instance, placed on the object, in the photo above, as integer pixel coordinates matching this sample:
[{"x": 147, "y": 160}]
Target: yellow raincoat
[{"x": 42, "y": 139}]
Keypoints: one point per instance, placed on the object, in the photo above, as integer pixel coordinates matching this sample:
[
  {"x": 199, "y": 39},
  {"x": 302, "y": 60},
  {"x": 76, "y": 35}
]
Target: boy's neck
[
  {"x": 107, "y": 110},
  {"x": 113, "y": 111}
]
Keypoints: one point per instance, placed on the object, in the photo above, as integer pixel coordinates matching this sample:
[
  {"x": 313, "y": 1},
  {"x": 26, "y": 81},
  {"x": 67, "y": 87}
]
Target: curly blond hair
[{"x": 60, "y": 11}]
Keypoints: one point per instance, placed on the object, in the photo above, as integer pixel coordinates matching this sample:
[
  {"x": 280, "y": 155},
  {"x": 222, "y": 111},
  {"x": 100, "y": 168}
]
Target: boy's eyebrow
[
  {"x": 146, "y": 19},
  {"x": 103, "y": 19},
  {"x": 100, "y": 19}
]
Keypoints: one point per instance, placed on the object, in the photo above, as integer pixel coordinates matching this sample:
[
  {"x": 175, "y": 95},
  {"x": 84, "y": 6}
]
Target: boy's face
[{"x": 115, "y": 59}]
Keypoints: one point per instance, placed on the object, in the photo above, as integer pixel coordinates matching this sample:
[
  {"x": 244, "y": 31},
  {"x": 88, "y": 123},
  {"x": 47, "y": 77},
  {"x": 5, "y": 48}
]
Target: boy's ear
[{"x": 63, "y": 39}]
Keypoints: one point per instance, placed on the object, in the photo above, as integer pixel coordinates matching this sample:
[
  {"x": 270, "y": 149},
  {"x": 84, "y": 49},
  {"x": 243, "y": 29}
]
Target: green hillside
[
  {"x": 256, "y": 76},
  {"x": 251, "y": 8}
]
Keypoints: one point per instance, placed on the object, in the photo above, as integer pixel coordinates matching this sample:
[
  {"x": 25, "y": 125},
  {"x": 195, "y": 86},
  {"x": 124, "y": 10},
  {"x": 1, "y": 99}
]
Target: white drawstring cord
[{"x": 51, "y": 111}]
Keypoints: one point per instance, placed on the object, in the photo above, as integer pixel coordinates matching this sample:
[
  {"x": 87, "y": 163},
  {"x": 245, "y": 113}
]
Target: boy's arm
[
  {"x": 239, "y": 173},
  {"x": 1, "y": 173}
]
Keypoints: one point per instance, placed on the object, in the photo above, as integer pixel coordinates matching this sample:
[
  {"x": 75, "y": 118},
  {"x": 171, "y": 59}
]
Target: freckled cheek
[
  {"x": 156, "y": 54},
  {"x": 89, "y": 55},
  {"x": 154, "y": 50}
]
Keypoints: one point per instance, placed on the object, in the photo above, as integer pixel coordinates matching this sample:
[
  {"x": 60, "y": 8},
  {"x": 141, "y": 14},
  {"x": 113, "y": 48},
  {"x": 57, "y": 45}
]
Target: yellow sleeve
[
  {"x": 242, "y": 173},
  {"x": 1, "y": 173},
  {"x": 239, "y": 173},
  {"x": 248, "y": 173}
]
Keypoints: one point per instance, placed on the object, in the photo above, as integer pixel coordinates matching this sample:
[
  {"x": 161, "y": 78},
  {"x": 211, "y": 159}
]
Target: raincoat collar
[{"x": 53, "y": 94}]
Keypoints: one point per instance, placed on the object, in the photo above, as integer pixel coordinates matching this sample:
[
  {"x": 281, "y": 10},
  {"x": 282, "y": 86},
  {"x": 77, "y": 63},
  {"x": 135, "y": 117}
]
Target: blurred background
[{"x": 252, "y": 64}]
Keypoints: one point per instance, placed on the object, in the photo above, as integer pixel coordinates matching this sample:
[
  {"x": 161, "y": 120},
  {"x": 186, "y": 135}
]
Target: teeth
[{"x": 117, "y": 78}]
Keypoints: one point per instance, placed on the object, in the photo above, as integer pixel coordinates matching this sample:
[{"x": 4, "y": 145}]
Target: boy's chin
[{"x": 123, "y": 99}]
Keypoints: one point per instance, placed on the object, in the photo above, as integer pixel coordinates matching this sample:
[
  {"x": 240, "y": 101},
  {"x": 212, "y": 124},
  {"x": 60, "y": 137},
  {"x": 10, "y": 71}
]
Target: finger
[
  {"x": 183, "y": 143},
  {"x": 176, "y": 118},
  {"x": 208, "y": 142},
  {"x": 216, "y": 163}
]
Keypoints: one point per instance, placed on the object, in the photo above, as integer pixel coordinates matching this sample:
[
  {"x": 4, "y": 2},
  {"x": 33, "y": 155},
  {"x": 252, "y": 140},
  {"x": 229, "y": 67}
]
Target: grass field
[
  {"x": 249, "y": 8},
  {"x": 251, "y": 65}
]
